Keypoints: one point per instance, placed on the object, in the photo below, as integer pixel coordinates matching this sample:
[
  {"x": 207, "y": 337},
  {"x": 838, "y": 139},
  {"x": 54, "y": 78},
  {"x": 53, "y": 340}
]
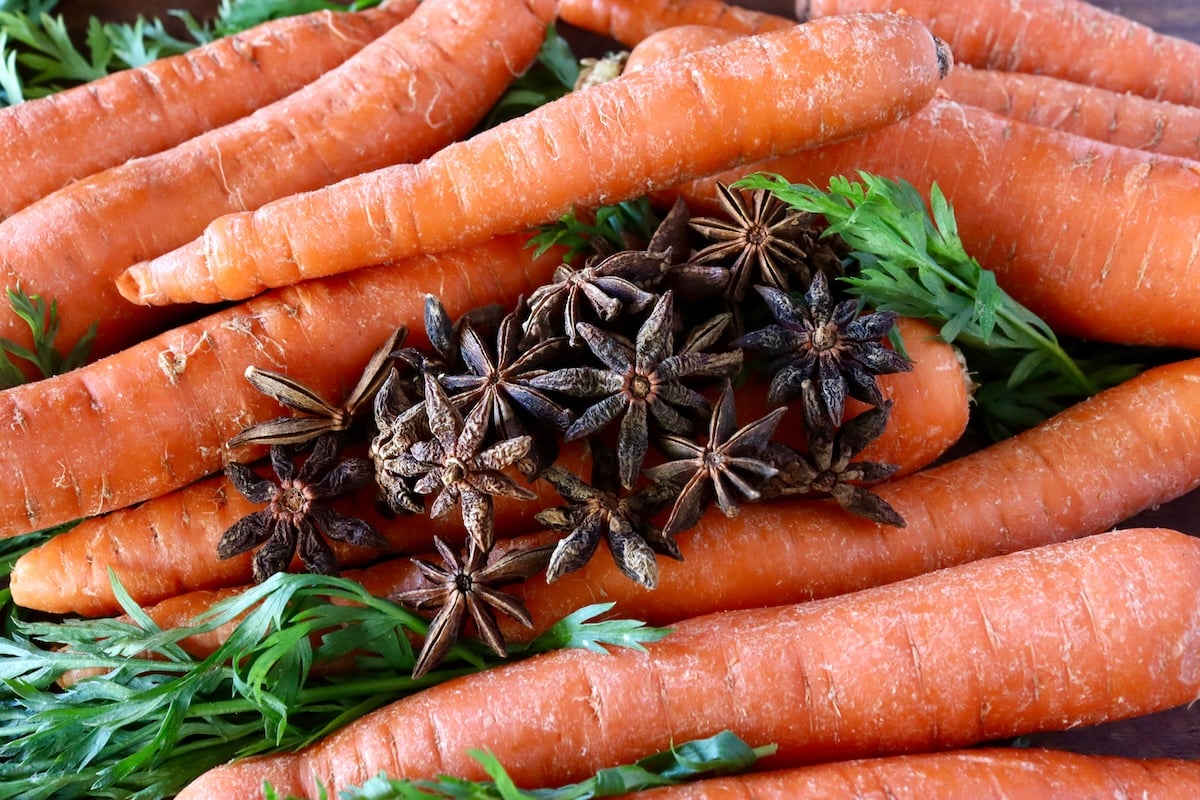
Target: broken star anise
[
  {"x": 455, "y": 465},
  {"x": 829, "y": 345},
  {"x": 730, "y": 463},
  {"x": 467, "y": 586},
  {"x": 641, "y": 380},
  {"x": 296, "y": 518}
]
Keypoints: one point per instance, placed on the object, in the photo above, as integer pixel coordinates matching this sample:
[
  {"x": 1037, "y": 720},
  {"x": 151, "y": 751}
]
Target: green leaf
[
  {"x": 43, "y": 322},
  {"x": 578, "y": 630}
]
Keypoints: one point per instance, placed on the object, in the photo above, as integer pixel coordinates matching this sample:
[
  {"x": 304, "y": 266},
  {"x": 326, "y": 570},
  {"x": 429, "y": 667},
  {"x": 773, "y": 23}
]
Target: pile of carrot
[{"x": 322, "y": 207}]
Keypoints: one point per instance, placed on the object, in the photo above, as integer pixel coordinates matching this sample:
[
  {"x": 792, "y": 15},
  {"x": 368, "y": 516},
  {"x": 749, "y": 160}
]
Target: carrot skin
[
  {"x": 1038, "y": 640},
  {"x": 1102, "y": 242},
  {"x": 881, "y": 68},
  {"x": 53, "y": 140},
  {"x": 419, "y": 86},
  {"x": 155, "y": 416},
  {"x": 631, "y": 21},
  {"x": 675, "y": 41},
  {"x": 982, "y": 774},
  {"x": 1069, "y": 39}
]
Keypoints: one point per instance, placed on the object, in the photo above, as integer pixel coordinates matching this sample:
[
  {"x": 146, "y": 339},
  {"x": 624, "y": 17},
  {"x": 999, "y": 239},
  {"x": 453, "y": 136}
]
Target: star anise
[
  {"x": 498, "y": 380},
  {"x": 401, "y": 423},
  {"x": 730, "y": 463},
  {"x": 829, "y": 345},
  {"x": 444, "y": 335},
  {"x": 600, "y": 510},
  {"x": 456, "y": 466},
  {"x": 295, "y": 518},
  {"x": 319, "y": 415},
  {"x": 829, "y": 469},
  {"x": 758, "y": 241},
  {"x": 463, "y": 586},
  {"x": 640, "y": 381}
]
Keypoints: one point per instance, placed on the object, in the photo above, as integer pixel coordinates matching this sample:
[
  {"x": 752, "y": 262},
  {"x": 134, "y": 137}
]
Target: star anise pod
[
  {"x": 730, "y": 463},
  {"x": 467, "y": 586},
  {"x": 319, "y": 416},
  {"x": 639, "y": 380},
  {"x": 758, "y": 241},
  {"x": 829, "y": 467},
  {"x": 601, "y": 510},
  {"x": 498, "y": 379},
  {"x": 456, "y": 466},
  {"x": 444, "y": 335},
  {"x": 401, "y": 423},
  {"x": 295, "y": 518},
  {"x": 829, "y": 345}
]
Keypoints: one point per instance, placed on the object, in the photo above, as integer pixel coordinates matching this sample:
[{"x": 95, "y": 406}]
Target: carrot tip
[
  {"x": 945, "y": 57},
  {"x": 129, "y": 284}
]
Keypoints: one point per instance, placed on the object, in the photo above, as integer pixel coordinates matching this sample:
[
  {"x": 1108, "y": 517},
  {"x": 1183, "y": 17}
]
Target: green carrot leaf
[
  {"x": 579, "y": 630},
  {"x": 43, "y": 322}
]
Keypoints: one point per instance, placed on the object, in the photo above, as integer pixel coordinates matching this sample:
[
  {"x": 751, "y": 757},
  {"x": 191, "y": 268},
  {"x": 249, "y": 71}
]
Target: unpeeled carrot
[
  {"x": 1069, "y": 39},
  {"x": 1102, "y": 242},
  {"x": 1118, "y": 118},
  {"x": 155, "y": 416},
  {"x": 426, "y": 82},
  {"x": 167, "y": 546},
  {"x": 631, "y": 21},
  {"x": 1039, "y": 640},
  {"x": 53, "y": 140},
  {"x": 612, "y": 141},
  {"x": 676, "y": 41},
  {"x": 986, "y": 773}
]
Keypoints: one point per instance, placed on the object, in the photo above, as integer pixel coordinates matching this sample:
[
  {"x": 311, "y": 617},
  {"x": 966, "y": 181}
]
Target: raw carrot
[
  {"x": 1068, "y": 39},
  {"x": 676, "y": 41},
  {"x": 155, "y": 417},
  {"x": 1102, "y": 242},
  {"x": 612, "y": 141},
  {"x": 1038, "y": 640},
  {"x": 1118, "y": 118},
  {"x": 53, "y": 140},
  {"x": 167, "y": 546},
  {"x": 631, "y": 21},
  {"x": 424, "y": 83},
  {"x": 993, "y": 773}
]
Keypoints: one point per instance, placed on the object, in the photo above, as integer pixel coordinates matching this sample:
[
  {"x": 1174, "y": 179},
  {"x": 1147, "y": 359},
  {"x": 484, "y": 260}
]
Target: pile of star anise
[{"x": 635, "y": 351}]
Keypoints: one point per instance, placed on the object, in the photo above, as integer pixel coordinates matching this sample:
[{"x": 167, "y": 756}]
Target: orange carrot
[
  {"x": 155, "y": 417},
  {"x": 631, "y": 21},
  {"x": 1122, "y": 119},
  {"x": 424, "y": 83},
  {"x": 1102, "y": 242},
  {"x": 612, "y": 141},
  {"x": 1069, "y": 39},
  {"x": 167, "y": 546},
  {"x": 983, "y": 774},
  {"x": 1038, "y": 640},
  {"x": 676, "y": 41},
  {"x": 53, "y": 140}
]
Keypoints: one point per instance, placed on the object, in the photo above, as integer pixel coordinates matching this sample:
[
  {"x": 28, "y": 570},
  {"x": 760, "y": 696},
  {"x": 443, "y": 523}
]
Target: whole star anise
[
  {"x": 455, "y": 465},
  {"x": 600, "y": 510},
  {"x": 641, "y": 380},
  {"x": 731, "y": 463},
  {"x": 295, "y": 518},
  {"x": 467, "y": 586},
  {"x": 829, "y": 345}
]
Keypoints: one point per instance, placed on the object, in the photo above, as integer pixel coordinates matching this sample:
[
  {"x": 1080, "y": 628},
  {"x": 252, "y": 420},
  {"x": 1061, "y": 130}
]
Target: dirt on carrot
[{"x": 877, "y": 68}]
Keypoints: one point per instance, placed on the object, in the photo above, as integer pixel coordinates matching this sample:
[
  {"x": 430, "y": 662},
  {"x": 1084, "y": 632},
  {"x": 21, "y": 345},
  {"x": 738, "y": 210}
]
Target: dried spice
[
  {"x": 401, "y": 423},
  {"x": 729, "y": 464},
  {"x": 601, "y": 511},
  {"x": 467, "y": 586},
  {"x": 640, "y": 381},
  {"x": 295, "y": 519},
  {"x": 456, "y": 466},
  {"x": 824, "y": 347},
  {"x": 319, "y": 416}
]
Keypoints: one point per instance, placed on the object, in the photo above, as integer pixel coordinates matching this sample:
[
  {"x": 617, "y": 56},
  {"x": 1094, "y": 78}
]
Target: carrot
[
  {"x": 424, "y": 83},
  {"x": 612, "y": 141},
  {"x": 929, "y": 413},
  {"x": 1068, "y": 39},
  {"x": 1102, "y": 242},
  {"x": 676, "y": 41},
  {"x": 154, "y": 417},
  {"x": 1122, "y": 119},
  {"x": 167, "y": 546},
  {"x": 53, "y": 140},
  {"x": 993, "y": 773},
  {"x": 1038, "y": 640},
  {"x": 631, "y": 21}
]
